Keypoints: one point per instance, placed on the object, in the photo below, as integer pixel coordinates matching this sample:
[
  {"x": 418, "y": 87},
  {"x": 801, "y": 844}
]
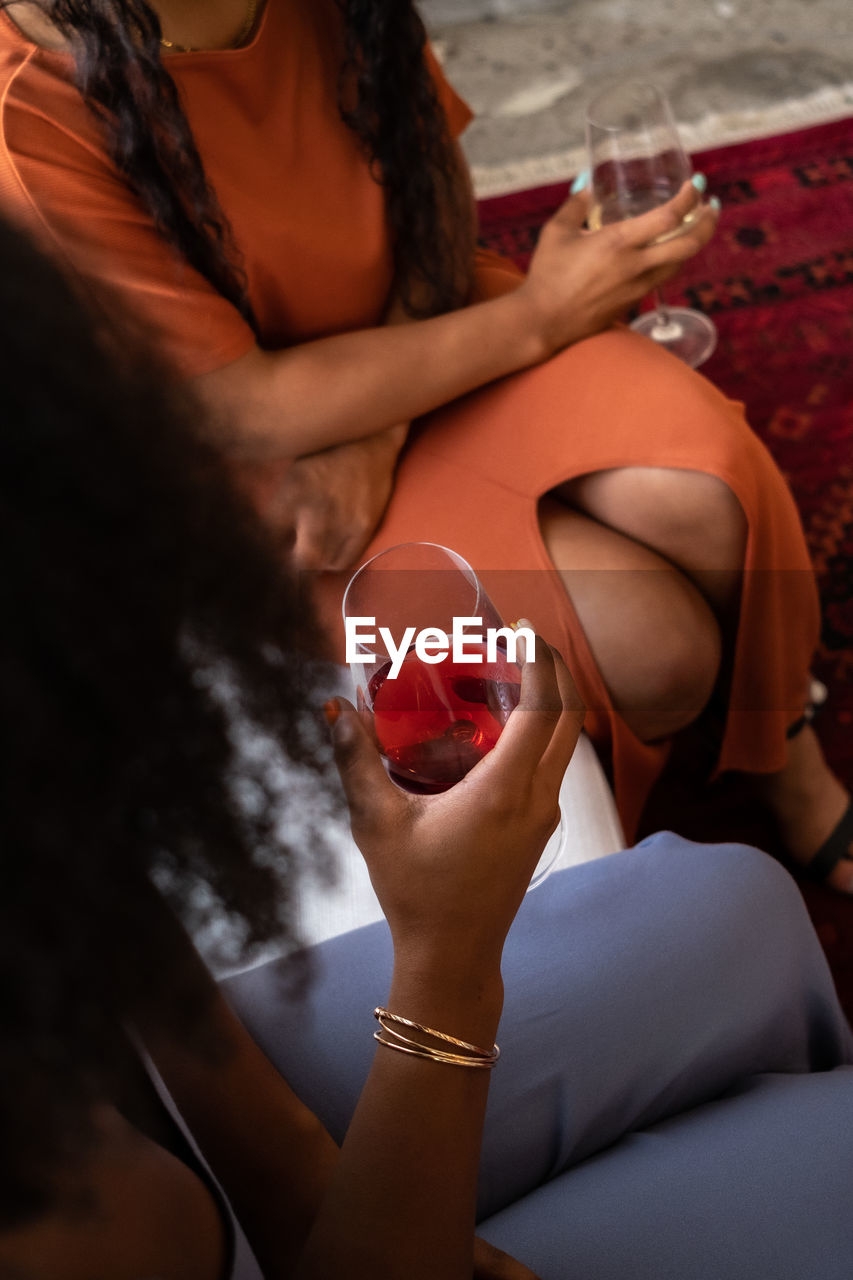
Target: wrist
[
  {"x": 446, "y": 996},
  {"x": 534, "y": 331}
]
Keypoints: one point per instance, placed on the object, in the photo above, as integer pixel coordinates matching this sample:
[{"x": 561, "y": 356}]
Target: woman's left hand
[{"x": 330, "y": 503}]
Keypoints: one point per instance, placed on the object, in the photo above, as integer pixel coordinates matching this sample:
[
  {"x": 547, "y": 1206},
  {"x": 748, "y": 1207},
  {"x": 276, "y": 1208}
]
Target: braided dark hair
[{"x": 387, "y": 98}]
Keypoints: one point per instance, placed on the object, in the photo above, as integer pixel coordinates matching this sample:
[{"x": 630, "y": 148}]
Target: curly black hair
[
  {"x": 153, "y": 665},
  {"x": 386, "y": 96}
]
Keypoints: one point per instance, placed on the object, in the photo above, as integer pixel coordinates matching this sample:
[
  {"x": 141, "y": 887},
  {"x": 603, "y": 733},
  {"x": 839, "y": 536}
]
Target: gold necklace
[{"x": 239, "y": 39}]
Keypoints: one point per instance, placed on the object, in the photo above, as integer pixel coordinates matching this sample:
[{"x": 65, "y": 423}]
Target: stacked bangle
[{"x": 391, "y": 1038}]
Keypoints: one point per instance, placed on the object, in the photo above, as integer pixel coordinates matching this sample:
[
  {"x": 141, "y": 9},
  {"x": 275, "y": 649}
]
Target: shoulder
[
  {"x": 51, "y": 145},
  {"x": 130, "y": 1209}
]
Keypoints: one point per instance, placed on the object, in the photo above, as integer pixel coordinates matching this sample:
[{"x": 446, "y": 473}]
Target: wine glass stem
[{"x": 666, "y": 329}]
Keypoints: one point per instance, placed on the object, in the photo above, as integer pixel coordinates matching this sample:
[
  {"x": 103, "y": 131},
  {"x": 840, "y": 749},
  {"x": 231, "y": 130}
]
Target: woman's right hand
[
  {"x": 580, "y": 282},
  {"x": 450, "y": 870}
]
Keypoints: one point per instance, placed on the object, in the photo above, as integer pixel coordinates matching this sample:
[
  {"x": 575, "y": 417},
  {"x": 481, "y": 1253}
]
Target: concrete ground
[{"x": 733, "y": 69}]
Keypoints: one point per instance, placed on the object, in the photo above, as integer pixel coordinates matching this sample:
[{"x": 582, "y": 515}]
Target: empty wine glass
[
  {"x": 637, "y": 162},
  {"x": 435, "y": 665}
]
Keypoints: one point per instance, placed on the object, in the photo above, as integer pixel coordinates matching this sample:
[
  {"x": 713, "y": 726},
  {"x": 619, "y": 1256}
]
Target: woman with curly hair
[
  {"x": 148, "y": 626},
  {"x": 276, "y": 191}
]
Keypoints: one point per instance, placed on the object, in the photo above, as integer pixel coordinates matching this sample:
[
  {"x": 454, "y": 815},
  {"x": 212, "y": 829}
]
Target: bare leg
[
  {"x": 695, "y": 521},
  {"x": 654, "y": 637},
  {"x": 692, "y": 519}
]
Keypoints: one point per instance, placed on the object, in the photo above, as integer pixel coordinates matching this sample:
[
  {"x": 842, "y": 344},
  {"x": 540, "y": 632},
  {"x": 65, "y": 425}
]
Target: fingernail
[
  {"x": 581, "y": 181},
  {"x": 699, "y": 181},
  {"x": 331, "y": 710},
  {"x": 715, "y": 204},
  {"x": 524, "y": 652}
]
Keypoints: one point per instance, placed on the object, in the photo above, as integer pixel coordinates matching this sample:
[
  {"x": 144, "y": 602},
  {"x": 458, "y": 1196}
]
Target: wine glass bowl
[
  {"x": 636, "y": 159},
  {"x": 435, "y": 714},
  {"x": 636, "y": 163},
  {"x": 434, "y": 729},
  {"x": 435, "y": 665}
]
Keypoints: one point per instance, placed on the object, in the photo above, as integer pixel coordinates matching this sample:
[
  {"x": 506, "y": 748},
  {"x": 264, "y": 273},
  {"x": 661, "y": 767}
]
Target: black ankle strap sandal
[
  {"x": 818, "y": 694},
  {"x": 835, "y": 848}
]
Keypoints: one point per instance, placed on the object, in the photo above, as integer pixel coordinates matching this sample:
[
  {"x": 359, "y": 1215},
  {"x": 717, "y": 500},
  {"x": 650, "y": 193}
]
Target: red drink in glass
[{"x": 435, "y": 721}]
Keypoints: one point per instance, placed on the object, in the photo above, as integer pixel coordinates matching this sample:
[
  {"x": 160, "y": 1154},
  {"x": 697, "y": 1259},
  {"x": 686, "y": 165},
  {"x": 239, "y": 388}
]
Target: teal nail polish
[
  {"x": 715, "y": 204},
  {"x": 699, "y": 181},
  {"x": 581, "y": 181}
]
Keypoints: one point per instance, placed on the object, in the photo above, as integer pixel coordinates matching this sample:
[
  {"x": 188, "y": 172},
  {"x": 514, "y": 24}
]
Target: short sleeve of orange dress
[
  {"x": 315, "y": 263},
  {"x": 56, "y": 178}
]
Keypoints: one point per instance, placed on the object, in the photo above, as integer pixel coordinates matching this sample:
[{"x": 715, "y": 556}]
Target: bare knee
[
  {"x": 654, "y": 637},
  {"x": 675, "y": 664},
  {"x": 751, "y": 906}
]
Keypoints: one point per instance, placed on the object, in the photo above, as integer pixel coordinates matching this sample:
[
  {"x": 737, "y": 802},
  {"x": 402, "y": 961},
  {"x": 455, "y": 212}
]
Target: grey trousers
[{"x": 674, "y": 1096}]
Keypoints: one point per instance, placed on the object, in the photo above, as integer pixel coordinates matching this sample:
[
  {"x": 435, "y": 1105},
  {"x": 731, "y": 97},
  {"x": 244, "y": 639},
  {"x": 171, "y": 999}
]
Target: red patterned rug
[{"x": 778, "y": 281}]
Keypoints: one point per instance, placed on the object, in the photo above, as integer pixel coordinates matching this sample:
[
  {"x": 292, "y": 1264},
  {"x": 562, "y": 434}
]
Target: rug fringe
[{"x": 716, "y": 130}]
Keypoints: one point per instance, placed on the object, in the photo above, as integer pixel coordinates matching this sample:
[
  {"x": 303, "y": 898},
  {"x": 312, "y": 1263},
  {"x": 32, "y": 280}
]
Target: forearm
[
  {"x": 450, "y": 871},
  {"x": 401, "y": 1202},
  {"x": 317, "y": 394},
  {"x": 276, "y": 1161},
  {"x": 352, "y": 385}
]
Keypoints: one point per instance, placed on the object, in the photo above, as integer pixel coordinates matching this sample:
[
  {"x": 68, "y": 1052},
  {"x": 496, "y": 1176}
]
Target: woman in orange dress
[{"x": 275, "y": 193}]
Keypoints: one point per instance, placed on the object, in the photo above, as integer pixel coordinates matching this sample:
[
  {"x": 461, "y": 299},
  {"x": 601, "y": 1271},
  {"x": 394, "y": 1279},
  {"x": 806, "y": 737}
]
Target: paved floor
[{"x": 733, "y": 69}]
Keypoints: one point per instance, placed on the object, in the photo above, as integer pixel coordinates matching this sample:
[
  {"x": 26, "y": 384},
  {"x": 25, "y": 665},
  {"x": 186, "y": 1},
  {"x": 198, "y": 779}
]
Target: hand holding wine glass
[
  {"x": 461, "y": 859},
  {"x": 435, "y": 665},
  {"x": 637, "y": 163},
  {"x": 581, "y": 282}
]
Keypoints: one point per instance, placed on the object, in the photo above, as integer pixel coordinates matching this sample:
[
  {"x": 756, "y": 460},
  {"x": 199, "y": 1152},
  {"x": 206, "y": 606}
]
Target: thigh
[
  {"x": 644, "y": 986},
  {"x": 693, "y": 517},
  {"x": 637, "y": 986},
  {"x": 752, "y": 1186},
  {"x": 655, "y": 640}
]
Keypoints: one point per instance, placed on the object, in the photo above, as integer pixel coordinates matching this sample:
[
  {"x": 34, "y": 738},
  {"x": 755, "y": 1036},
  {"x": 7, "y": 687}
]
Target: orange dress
[{"x": 310, "y": 223}]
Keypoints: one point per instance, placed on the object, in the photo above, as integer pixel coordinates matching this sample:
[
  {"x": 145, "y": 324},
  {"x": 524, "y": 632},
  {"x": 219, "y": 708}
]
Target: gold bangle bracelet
[
  {"x": 384, "y": 1016},
  {"x": 436, "y": 1055},
  {"x": 399, "y": 1038}
]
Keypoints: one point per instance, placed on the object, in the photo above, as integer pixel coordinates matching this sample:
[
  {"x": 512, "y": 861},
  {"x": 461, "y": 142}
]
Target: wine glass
[
  {"x": 637, "y": 162},
  {"x": 436, "y": 666}
]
